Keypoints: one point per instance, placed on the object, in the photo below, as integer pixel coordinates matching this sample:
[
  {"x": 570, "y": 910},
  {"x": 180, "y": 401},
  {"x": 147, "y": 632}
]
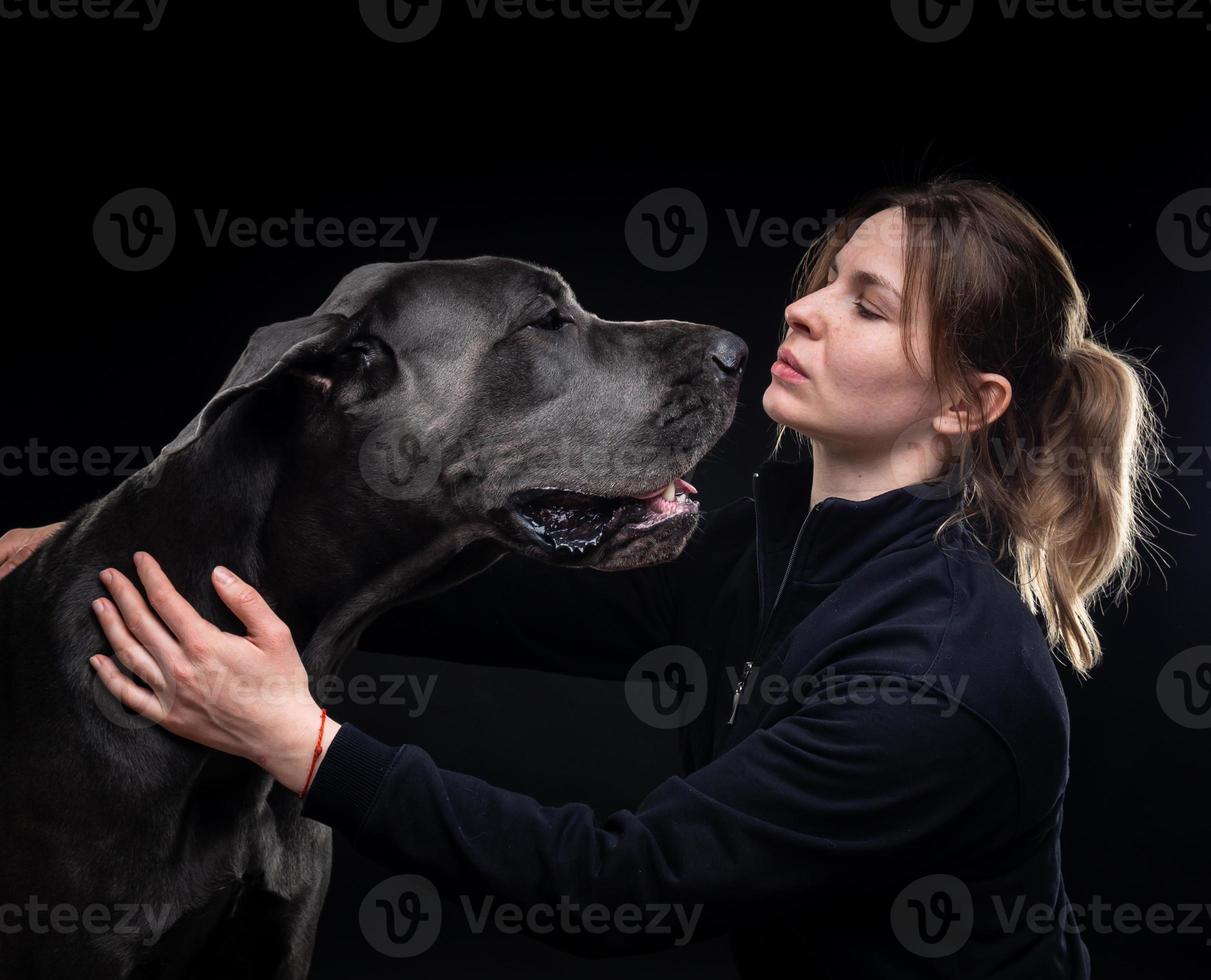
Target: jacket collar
[{"x": 841, "y": 535}]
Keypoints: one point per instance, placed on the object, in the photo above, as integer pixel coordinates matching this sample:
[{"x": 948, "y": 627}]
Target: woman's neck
[{"x": 862, "y": 474}]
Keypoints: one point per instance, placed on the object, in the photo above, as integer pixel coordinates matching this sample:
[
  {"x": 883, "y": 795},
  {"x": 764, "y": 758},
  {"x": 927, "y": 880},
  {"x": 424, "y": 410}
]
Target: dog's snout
[{"x": 728, "y": 355}]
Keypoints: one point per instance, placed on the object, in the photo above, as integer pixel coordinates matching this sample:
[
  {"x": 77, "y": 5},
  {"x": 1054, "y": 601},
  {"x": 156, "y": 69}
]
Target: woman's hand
[
  {"x": 246, "y": 695},
  {"x": 19, "y": 543}
]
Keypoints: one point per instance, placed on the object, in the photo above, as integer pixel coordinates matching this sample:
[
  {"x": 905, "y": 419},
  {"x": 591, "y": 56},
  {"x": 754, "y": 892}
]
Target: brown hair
[{"x": 1002, "y": 297}]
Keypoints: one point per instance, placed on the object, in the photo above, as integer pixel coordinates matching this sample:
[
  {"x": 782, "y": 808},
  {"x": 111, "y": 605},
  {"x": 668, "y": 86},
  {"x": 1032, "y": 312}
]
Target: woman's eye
[
  {"x": 865, "y": 313},
  {"x": 554, "y": 320}
]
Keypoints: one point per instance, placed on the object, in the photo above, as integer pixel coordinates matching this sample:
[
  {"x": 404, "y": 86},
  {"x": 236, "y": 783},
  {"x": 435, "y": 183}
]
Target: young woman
[{"x": 876, "y": 768}]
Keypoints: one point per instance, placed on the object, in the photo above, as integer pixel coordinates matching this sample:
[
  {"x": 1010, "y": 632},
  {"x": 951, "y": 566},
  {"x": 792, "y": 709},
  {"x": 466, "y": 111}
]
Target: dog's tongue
[{"x": 682, "y": 485}]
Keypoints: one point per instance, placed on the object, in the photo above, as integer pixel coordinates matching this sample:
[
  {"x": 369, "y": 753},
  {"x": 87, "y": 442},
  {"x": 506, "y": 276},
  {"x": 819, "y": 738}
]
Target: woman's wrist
[{"x": 291, "y": 749}]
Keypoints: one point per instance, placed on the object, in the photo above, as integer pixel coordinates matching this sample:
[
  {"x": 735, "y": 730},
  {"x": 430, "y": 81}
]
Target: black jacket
[{"x": 886, "y": 802}]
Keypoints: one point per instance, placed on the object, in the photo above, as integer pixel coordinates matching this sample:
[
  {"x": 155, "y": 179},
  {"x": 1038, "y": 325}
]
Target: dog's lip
[
  {"x": 682, "y": 486},
  {"x": 627, "y": 516},
  {"x": 786, "y": 357}
]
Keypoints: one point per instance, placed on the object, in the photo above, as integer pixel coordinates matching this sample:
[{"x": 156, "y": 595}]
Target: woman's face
[{"x": 860, "y": 393}]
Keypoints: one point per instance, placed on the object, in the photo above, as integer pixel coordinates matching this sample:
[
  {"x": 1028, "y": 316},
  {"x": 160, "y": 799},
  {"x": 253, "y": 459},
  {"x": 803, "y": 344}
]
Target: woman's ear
[{"x": 958, "y": 417}]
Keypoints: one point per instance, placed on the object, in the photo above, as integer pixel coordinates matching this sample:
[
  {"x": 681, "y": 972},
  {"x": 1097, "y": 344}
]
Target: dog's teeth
[{"x": 670, "y": 491}]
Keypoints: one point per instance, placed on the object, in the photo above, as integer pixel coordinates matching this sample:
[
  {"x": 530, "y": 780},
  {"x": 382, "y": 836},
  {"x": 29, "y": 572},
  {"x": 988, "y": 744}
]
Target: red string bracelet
[{"x": 315, "y": 756}]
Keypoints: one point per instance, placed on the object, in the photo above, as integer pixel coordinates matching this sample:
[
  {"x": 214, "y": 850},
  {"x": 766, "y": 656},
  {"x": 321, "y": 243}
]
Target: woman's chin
[{"x": 779, "y": 404}]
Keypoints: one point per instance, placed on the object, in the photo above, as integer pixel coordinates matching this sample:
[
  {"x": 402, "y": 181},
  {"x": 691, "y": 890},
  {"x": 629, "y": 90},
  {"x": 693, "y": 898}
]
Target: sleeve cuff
[{"x": 347, "y": 780}]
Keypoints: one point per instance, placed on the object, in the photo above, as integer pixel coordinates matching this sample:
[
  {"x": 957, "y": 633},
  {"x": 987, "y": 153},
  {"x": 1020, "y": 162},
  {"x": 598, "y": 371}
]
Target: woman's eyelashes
[{"x": 865, "y": 313}]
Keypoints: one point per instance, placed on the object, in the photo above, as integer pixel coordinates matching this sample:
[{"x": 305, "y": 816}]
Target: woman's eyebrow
[{"x": 869, "y": 279}]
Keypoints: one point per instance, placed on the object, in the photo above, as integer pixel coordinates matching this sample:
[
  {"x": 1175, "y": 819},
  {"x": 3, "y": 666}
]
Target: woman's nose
[{"x": 797, "y": 314}]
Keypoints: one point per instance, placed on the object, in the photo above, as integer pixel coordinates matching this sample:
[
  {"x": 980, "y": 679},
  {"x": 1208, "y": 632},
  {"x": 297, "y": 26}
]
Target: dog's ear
[{"x": 325, "y": 350}]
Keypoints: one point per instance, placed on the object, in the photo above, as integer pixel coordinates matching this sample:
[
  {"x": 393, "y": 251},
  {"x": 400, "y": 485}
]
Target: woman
[{"x": 875, "y": 780}]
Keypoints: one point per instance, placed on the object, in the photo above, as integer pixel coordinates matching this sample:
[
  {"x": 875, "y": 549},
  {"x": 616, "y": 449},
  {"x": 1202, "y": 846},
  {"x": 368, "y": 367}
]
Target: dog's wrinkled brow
[
  {"x": 541, "y": 287},
  {"x": 555, "y": 287}
]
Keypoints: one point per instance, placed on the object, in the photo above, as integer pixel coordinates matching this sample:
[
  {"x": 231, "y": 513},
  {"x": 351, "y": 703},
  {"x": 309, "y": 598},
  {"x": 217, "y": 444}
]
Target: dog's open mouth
[{"x": 575, "y": 523}]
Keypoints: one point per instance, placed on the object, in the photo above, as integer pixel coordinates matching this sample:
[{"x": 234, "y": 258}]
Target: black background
[{"x": 535, "y": 138}]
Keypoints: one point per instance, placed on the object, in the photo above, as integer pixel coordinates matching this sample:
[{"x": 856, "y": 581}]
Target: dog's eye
[
  {"x": 552, "y": 320},
  {"x": 359, "y": 352}
]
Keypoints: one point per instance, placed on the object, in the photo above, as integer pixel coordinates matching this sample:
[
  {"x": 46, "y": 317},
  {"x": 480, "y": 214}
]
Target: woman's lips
[{"x": 787, "y": 368}]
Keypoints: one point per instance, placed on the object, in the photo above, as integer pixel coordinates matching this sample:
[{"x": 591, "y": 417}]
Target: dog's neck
[{"x": 286, "y": 528}]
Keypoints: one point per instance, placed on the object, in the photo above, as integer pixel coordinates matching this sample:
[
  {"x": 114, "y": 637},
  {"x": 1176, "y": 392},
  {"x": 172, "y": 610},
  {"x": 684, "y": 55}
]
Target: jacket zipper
[{"x": 748, "y": 664}]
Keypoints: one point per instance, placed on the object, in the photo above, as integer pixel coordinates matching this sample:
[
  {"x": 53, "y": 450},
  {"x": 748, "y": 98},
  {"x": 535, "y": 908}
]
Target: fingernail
[
  {"x": 92, "y": 662},
  {"x": 98, "y": 605},
  {"x": 223, "y": 575},
  {"x": 106, "y": 576},
  {"x": 138, "y": 557}
]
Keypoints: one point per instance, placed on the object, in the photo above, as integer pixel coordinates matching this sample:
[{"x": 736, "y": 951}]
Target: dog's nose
[{"x": 728, "y": 356}]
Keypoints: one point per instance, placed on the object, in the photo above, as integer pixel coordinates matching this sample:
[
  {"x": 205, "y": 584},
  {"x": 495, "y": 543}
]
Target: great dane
[{"x": 427, "y": 417}]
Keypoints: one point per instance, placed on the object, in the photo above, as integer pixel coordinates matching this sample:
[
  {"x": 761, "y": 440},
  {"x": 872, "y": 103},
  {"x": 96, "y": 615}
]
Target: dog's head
[{"x": 479, "y": 392}]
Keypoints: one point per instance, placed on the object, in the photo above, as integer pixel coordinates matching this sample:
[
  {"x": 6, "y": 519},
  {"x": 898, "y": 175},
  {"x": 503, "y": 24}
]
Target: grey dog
[{"x": 427, "y": 418}]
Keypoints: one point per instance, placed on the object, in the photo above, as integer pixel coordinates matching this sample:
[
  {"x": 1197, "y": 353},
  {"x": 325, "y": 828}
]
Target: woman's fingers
[
  {"x": 174, "y": 609},
  {"x": 140, "y": 622},
  {"x": 126, "y": 647},
  {"x": 264, "y": 627},
  {"x": 19, "y": 543},
  {"x": 127, "y": 691},
  {"x": 14, "y": 558}
]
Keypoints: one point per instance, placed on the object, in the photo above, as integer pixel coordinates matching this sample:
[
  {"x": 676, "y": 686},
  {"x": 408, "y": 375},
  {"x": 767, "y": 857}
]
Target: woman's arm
[
  {"x": 843, "y": 797},
  {"x": 852, "y": 792}
]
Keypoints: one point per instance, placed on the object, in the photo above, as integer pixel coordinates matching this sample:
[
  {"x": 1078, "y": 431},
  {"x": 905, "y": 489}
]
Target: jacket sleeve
[
  {"x": 580, "y": 621},
  {"x": 843, "y": 794}
]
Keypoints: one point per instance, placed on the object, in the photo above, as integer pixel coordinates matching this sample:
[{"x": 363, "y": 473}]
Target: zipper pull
[{"x": 748, "y": 666}]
